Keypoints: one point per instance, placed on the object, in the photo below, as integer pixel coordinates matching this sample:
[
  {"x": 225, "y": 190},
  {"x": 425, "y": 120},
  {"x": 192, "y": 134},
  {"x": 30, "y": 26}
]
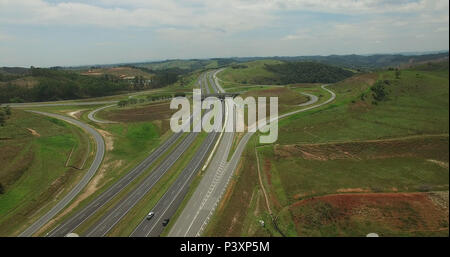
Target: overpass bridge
[{"x": 221, "y": 96}]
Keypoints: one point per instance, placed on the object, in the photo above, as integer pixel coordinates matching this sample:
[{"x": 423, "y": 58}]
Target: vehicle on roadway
[
  {"x": 150, "y": 215},
  {"x": 165, "y": 222}
]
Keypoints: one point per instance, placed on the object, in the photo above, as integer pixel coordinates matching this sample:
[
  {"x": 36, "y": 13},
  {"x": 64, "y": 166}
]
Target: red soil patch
[{"x": 399, "y": 211}]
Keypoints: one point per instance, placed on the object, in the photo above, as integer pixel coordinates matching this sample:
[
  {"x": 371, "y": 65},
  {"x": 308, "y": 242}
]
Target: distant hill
[
  {"x": 359, "y": 62},
  {"x": 308, "y": 72},
  {"x": 273, "y": 72},
  {"x": 352, "y": 61},
  {"x": 42, "y": 84}
]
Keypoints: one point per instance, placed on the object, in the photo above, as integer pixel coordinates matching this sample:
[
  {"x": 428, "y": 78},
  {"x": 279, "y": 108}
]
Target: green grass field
[
  {"x": 33, "y": 166},
  {"x": 250, "y": 75},
  {"x": 357, "y": 165}
]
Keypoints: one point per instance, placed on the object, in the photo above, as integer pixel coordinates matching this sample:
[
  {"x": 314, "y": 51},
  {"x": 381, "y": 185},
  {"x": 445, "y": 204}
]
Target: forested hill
[
  {"x": 307, "y": 72},
  {"x": 42, "y": 84}
]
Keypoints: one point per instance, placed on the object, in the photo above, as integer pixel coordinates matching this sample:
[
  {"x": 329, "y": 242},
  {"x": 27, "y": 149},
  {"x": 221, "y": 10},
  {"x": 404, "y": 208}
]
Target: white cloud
[
  {"x": 231, "y": 15},
  {"x": 158, "y": 29},
  {"x": 5, "y": 37}
]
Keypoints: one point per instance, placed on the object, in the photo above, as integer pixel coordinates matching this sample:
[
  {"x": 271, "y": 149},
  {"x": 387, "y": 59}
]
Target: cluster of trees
[
  {"x": 379, "y": 91},
  {"x": 5, "y": 113},
  {"x": 61, "y": 85},
  {"x": 149, "y": 98},
  {"x": 57, "y": 84},
  {"x": 160, "y": 79},
  {"x": 305, "y": 72},
  {"x": 5, "y": 77}
]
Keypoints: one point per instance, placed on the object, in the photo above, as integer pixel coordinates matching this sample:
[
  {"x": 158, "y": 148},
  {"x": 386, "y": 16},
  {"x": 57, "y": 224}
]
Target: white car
[{"x": 150, "y": 215}]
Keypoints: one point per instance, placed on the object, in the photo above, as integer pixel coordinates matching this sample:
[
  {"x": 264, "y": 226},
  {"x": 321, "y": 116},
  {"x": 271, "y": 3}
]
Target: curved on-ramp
[
  {"x": 81, "y": 184},
  {"x": 91, "y": 115}
]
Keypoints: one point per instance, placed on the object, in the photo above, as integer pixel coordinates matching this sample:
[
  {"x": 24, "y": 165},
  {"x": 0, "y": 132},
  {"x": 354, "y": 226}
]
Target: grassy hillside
[
  {"x": 374, "y": 160},
  {"x": 118, "y": 72},
  {"x": 189, "y": 65},
  {"x": 249, "y": 73},
  {"x": 40, "y": 159},
  {"x": 272, "y": 72}
]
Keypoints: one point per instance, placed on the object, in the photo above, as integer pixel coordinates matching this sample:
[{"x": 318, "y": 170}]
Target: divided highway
[
  {"x": 172, "y": 199},
  {"x": 108, "y": 220},
  {"x": 77, "y": 219},
  {"x": 114, "y": 215}
]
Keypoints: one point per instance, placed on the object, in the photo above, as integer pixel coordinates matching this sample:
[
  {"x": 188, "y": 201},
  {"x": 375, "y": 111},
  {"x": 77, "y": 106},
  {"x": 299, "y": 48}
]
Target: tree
[
  {"x": 122, "y": 103},
  {"x": 397, "y": 74},
  {"x": 132, "y": 101},
  {"x": 2, "y": 189},
  {"x": 7, "y": 110},
  {"x": 379, "y": 92},
  {"x": 2, "y": 119}
]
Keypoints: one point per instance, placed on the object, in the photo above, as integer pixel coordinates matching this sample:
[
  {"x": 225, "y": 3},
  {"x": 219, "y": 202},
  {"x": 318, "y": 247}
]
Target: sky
[{"x": 81, "y": 32}]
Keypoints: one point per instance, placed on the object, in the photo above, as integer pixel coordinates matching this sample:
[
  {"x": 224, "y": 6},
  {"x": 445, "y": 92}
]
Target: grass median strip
[{"x": 126, "y": 226}]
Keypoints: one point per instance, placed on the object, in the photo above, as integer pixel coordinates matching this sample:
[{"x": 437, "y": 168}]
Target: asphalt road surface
[
  {"x": 84, "y": 180},
  {"x": 56, "y": 103},
  {"x": 91, "y": 115},
  {"x": 170, "y": 201},
  {"x": 113, "y": 216},
  {"x": 77, "y": 219}
]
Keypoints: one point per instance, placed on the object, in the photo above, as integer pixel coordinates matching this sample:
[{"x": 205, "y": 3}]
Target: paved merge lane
[{"x": 91, "y": 115}]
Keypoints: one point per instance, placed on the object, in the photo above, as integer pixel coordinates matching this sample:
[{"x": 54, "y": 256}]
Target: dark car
[{"x": 165, "y": 222}]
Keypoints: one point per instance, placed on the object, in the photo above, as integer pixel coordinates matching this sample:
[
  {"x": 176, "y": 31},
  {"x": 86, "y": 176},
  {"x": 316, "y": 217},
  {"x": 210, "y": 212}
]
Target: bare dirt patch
[
  {"x": 33, "y": 132},
  {"x": 109, "y": 140},
  {"x": 440, "y": 198},
  {"x": 75, "y": 114},
  {"x": 442, "y": 164}
]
